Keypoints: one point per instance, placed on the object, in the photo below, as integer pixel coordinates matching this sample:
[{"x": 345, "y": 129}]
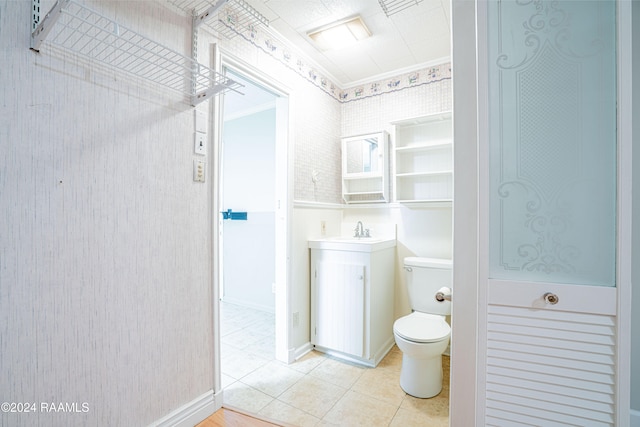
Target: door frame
[
  {"x": 470, "y": 134},
  {"x": 221, "y": 59}
]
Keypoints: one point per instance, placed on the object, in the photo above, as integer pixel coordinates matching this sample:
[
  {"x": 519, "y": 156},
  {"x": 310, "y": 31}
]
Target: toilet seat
[{"x": 422, "y": 327}]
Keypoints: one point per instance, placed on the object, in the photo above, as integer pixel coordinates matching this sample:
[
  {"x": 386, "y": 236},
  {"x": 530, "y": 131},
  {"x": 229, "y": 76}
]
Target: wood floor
[{"x": 228, "y": 418}]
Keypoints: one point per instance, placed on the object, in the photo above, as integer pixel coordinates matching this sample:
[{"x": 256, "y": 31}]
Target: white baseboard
[
  {"x": 193, "y": 412},
  {"x": 301, "y": 351},
  {"x": 635, "y": 418}
]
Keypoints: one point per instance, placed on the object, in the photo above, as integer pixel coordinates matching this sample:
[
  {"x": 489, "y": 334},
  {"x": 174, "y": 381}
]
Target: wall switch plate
[
  {"x": 198, "y": 170},
  {"x": 200, "y": 143},
  {"x": 200, "y": 121}
]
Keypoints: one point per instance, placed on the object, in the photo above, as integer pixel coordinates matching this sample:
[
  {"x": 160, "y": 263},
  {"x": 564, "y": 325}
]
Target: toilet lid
[{"x": 422, "y": 327}]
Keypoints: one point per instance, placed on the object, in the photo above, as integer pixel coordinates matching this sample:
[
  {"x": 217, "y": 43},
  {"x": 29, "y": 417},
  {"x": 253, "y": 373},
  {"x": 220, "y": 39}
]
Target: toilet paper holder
[{"x": 443, "y": 294}]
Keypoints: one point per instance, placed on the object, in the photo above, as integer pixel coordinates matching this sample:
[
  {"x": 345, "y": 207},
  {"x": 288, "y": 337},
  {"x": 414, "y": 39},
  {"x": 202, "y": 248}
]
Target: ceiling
[{"x": 413, "y": 38}]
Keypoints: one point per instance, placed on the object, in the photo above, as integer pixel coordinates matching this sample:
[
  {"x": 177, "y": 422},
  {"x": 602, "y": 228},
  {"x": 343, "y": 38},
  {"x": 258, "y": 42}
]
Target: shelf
[
  {"x": 75, "y": 27},
  {"x": 363, "y": 193},
  {"x": 431, "y": 203},
  {"x": 423, "y": 174},
  {"x": 423, "y": 158},
  {"x": 429, "y": 118},
  {"x": 424, "y": 146},
  {"x": 226, "y": 17},
  {"x": 364, "y": 200},
  {"x": 363, "y": 176}
]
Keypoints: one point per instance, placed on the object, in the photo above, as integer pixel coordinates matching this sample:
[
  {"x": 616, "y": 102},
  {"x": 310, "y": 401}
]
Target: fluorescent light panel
[{"x": 340, "y": 34}]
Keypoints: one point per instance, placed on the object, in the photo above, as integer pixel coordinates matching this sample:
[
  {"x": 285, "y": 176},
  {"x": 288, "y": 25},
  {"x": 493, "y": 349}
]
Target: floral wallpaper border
[{"x": 270, "y": 44}]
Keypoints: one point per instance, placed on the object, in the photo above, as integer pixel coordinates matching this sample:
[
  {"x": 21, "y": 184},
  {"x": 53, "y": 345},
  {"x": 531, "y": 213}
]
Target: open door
[{"x": 547, "y": 190}]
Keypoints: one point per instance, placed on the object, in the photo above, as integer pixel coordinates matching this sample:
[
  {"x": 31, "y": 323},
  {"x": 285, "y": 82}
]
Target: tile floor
[{"x": 316, "y": 390}]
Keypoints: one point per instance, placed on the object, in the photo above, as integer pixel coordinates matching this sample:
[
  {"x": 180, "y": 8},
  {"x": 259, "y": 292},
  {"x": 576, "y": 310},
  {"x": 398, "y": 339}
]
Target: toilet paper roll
[{"x": 443, "y": 294}]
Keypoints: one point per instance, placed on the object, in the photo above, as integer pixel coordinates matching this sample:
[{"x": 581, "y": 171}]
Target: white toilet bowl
[{"x": 422, "y": 338}]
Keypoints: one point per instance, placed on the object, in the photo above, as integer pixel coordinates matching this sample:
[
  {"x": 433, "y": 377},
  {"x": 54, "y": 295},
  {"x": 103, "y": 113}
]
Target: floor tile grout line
[{"x": 306, "y": 372}]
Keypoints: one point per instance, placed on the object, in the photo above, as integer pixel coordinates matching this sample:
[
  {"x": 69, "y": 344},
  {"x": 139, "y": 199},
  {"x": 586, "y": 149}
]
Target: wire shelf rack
[
  {"x": 75, "y": 27},
  {"x": 391, "y": 7},
  {"x": 226, "y": 17}
]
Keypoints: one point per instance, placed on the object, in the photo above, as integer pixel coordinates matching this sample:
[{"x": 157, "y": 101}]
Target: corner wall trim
[{"x": 193, "y": 412}]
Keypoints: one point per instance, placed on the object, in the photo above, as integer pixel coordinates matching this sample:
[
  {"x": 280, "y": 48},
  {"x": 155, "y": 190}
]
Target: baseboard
[
  {"x": 384, "y": 350},
  {"x": 301, "y": 351},
  {"x": 193, "y": 412},
  {"x": 635, "y": 418}
]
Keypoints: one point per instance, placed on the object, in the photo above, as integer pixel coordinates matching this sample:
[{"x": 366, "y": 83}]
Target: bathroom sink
[{"x": 354, "y": 244}]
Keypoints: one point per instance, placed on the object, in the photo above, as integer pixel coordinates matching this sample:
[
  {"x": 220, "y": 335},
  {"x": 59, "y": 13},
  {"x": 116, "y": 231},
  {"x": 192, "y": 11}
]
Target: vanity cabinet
[
  {"x": 352, "y": 299},
  {"x": 423, "y": 159},
  {"x": 365, "y": 168}
]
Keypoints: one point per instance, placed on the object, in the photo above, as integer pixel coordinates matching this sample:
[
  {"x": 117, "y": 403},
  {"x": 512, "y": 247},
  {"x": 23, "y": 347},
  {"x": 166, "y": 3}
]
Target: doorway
[
  {"x": 247, "y": 197},
  {"x": 251, "y": 201}
]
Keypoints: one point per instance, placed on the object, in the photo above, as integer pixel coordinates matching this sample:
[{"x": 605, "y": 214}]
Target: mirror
[{"x": 362, "y": 154}]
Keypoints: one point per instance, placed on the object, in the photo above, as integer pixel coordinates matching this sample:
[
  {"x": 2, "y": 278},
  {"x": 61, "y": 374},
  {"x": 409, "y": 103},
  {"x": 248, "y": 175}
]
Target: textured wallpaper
[{"x": 105, "y": 301}]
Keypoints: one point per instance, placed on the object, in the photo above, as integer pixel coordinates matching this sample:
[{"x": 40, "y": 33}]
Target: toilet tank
[{"x": 425, "y": 277}]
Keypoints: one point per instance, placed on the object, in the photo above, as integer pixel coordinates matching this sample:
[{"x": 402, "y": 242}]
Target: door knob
[{"x": 550, "y": 298}]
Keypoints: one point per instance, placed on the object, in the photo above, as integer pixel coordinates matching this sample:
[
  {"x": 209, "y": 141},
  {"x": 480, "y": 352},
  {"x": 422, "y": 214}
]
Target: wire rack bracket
[
  {"x": 226, "y": 17},
  {"x": 75, "y": 27},
  {"x": 391, "y": 7}
]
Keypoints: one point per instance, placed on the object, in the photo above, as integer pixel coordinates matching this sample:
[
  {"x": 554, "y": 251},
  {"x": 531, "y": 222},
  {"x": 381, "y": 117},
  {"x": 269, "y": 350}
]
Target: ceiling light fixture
[{"x": 340, "y": 34}]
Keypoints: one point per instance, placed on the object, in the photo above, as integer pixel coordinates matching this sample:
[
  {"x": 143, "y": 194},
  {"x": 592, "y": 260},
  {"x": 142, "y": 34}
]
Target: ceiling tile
[{"x": 410, "y": 38}]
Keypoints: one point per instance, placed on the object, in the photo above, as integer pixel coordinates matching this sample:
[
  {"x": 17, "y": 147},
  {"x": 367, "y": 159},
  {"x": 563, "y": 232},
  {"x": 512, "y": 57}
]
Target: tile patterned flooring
[{"x": 316, "y": 390}]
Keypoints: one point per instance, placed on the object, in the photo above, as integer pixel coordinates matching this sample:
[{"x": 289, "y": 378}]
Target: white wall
[{"x": 104, "y": 237}]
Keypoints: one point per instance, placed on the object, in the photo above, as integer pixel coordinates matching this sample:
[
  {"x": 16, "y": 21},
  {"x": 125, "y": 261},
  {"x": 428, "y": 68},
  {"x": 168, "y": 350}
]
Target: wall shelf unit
[
  {"x": 365, "y": 168},
  {"x": 423, "y": 159},
  {"x": 226, "y": 17},
  {"x": 75, "y": 27}
]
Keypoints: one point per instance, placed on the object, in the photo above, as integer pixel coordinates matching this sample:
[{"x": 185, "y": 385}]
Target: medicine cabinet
[
  {"x": 365, "y": 168},
  {"x": 423, "y": 159}
]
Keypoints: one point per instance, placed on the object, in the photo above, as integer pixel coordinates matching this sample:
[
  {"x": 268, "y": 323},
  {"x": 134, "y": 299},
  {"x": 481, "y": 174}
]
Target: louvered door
[
  {"x": 550, "y": 366},
  {"x": 548, "y": 199}
]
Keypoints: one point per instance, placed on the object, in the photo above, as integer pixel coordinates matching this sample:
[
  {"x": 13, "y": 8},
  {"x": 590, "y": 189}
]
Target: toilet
[{"x": 423, "y": 335}]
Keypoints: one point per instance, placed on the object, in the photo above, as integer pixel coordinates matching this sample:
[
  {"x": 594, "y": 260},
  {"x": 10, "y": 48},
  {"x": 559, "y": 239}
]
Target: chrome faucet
[{"x": 360, "y": 231}]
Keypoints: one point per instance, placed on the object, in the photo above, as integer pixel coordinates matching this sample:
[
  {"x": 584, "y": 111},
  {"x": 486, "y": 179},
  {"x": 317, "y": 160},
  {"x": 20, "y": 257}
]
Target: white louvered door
[
  {"x": 550, "y": 366},
  {"x": 548, "y": 213}
]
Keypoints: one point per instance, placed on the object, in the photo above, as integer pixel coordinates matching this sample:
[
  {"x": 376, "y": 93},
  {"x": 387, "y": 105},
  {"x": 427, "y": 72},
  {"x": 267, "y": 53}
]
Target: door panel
[
  {"x": 549, "y": 203},
  {"x": 552, "y": 130},
  {"x": 339, "y": 307}
]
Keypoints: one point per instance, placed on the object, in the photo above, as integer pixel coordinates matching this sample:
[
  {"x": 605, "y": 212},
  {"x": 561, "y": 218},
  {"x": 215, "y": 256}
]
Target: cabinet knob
[{"x": 550, "y": 298}]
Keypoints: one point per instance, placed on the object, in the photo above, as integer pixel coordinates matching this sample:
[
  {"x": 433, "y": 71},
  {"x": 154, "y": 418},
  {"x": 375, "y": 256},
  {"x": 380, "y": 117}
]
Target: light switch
[
  {"x": 200, "y": 143},
  {"x": 198, "y": 170}
]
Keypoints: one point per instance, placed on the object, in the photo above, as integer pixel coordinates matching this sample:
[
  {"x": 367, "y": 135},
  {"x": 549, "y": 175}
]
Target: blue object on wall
[{"x": 229, "y": 214}]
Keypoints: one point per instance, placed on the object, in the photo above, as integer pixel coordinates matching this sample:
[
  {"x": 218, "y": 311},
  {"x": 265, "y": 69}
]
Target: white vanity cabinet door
[
  {"x": 352, "y": 303},
  {"x": 339, "y": 305}
]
